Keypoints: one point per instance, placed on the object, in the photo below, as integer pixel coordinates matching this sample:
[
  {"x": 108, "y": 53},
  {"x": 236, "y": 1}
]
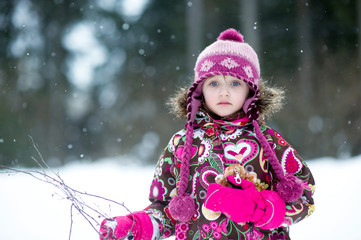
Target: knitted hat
[{"x": 229, "y": 55}]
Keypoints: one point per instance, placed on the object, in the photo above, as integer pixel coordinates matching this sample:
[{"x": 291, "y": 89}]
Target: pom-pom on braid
[
  {"x": 186, "y": 155},
  {"x": 231, "y": 35},
  {"x": 268, "y": 151},
  {"x": 182, "y": 206},
  {"x": 290, "y": 188}
]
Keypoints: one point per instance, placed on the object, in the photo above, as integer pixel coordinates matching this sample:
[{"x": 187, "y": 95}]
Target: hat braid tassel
[
  {"x": 182, "y": 207},
  {"x": 290, "y": 188}
]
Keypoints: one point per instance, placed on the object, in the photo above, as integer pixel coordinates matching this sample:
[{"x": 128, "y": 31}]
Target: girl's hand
[
  {"x": 137, "y": 225},
  {"x": 266, "y": 209}
]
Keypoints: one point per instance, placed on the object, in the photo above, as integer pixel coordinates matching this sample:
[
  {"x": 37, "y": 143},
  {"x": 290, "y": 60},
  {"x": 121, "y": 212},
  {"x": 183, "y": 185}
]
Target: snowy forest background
[{"x": 87, "y": 80}]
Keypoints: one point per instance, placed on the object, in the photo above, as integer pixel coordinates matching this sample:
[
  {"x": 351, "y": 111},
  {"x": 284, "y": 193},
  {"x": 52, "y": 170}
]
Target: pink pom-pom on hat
[{"x": 231, "y": 35}]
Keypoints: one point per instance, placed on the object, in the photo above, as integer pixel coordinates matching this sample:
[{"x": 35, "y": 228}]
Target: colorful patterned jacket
[{"x": 216, "y": 145}]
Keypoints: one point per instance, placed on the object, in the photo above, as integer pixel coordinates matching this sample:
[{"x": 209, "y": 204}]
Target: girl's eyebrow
[
  {"x": 211, "y": 79},
  {"x": 232, "y": 79}
]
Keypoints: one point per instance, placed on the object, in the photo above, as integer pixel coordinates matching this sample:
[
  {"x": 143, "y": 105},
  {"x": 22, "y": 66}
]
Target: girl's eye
[
  {"x": 236, "y": 83},
  {"x": 213, "y": 84}
]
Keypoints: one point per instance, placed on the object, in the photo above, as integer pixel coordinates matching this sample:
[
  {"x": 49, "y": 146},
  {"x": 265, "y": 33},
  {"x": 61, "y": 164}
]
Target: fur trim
[
  {"x": 271, "y": 100},
  {"x": 177, "y": 103}
]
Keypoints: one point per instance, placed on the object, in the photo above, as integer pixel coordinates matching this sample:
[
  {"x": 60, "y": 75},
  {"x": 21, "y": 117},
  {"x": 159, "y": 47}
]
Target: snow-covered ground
[{"x": 32, "y": 210}]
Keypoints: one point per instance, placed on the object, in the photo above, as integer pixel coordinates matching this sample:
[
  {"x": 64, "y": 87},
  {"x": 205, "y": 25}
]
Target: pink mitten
[
  {"x": 124, "y": 226},
  {"x": 266, "y": 209}
]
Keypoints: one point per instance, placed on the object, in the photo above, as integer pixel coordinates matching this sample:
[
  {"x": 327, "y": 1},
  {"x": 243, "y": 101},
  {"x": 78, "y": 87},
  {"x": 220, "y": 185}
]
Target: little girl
[{"x": 225, "y": 109}]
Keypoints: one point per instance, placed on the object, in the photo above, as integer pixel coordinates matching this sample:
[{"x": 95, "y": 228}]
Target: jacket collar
[
  {"x": 236, "y": 120},
  {"x": 213, "y": 127}
]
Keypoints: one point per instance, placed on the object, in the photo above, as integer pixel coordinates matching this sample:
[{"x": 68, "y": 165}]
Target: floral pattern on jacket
[{"x": 216, "y": 146}]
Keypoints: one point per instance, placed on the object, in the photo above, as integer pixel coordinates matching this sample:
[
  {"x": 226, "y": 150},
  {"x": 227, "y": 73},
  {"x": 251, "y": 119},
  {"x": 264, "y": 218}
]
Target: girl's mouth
[{"x": 224, "y": 103}]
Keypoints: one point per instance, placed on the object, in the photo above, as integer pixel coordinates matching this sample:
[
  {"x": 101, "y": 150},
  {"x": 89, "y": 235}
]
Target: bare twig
[
  {"x": 66, "y": 192},
  {"x": 71, "y": 221}
]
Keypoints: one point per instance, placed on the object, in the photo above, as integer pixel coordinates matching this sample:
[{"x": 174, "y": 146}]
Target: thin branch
[
  {"x": 67, "y": 192},
  {"x": 71, "y": 221}
]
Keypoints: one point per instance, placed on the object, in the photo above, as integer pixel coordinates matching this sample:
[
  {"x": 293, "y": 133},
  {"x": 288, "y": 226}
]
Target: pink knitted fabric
[{"x": 229, "y": 55}]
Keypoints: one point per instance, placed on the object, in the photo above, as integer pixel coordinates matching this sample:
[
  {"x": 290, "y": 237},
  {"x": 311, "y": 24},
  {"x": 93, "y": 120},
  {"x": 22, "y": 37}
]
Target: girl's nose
[{"x": 224, "y": 91}]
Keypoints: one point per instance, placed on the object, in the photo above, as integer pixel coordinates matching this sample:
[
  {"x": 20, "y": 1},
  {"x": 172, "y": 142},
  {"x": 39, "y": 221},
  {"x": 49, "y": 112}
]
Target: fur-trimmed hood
[{"x": 271, "y": 100}]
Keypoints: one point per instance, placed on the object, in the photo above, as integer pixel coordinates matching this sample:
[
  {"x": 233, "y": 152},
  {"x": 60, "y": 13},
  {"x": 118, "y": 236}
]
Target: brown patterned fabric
[{"x": 216, "y": 145}]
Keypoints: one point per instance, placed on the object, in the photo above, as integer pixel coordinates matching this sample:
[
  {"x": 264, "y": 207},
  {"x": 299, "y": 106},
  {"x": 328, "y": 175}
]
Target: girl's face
[{"x": 224, "y": 95}]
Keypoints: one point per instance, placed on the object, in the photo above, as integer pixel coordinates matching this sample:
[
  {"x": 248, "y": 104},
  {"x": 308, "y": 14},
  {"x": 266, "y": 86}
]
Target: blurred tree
[
  {"x": 88, "y": 79},
  {"x": 249, "y": 22},
  {"x": 194, "y": 26},
  {"x": 32, "y": 73}
]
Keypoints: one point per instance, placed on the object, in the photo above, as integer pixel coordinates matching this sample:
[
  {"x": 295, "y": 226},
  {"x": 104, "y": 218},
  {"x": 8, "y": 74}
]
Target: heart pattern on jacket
[{"x": 241, "y": 152}]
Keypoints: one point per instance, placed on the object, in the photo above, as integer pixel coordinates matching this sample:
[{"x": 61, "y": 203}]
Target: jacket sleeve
[
  {"x": 292, "y": 163},
  {"x": 163, "y": 186}
]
